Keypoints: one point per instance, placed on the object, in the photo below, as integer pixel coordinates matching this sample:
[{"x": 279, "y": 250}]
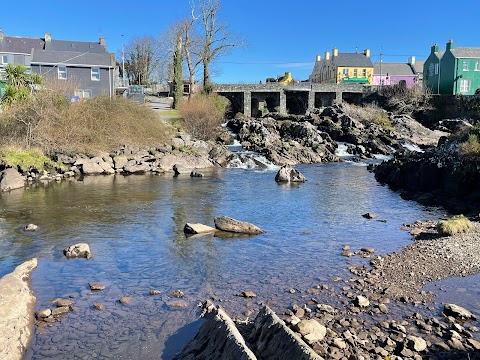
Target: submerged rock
[
  {"x": 193, "y": 229},
  {"x": 228, "y": 224}
]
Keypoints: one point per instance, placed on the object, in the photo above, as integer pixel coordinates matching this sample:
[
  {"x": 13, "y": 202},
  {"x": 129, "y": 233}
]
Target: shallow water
[{"x": 134, "y": 226}]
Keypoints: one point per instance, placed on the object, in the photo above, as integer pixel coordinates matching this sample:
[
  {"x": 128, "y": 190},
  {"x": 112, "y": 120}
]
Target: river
[{"x": 134, "y": 225}]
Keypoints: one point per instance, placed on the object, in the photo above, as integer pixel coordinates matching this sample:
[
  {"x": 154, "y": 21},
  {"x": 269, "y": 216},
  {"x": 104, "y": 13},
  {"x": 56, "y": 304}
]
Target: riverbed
[{"x": 134, "y": 225}]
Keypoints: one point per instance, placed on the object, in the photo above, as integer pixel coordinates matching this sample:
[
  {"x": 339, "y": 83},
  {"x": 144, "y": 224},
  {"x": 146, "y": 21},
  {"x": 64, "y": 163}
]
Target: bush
[
  {"x": 470, "y": 148},
  {"x": 49, "y": 122},
  {"x": 202, "y": 116},
  {"x": 454, "y": 225}
]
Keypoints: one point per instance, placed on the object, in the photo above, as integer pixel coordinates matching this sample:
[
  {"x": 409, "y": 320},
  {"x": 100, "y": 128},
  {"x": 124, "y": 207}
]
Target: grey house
[{"x": 88, "y": 66}]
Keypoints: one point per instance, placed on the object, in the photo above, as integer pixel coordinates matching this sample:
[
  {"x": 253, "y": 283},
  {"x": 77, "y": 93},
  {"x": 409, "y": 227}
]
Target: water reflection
[{"x": 134, "y": 226}]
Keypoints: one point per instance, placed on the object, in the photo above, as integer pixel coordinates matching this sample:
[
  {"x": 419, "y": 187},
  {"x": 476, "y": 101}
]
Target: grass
[
  {"x": 470, "y": 148},
  {"x": 455, "y": 225},
  {"x": 370, "y": 113},
  {"x": 28, "y": 160}
]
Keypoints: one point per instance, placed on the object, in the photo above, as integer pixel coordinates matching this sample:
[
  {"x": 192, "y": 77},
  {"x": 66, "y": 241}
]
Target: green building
[{"x": 453, "y": 71}]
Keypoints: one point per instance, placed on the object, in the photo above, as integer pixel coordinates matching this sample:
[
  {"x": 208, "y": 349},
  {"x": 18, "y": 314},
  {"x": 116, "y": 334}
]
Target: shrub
[
  {"x": 370, "y": 113},
  {"x": 455, "y": 225},
  {"x": 202, "y": 116},
  {"x": 48, "y": 121},
  {"x": 470, "y": 148}
]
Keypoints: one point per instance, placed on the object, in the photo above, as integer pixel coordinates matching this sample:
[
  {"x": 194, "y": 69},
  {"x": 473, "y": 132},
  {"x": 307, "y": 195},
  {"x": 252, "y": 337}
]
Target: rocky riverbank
[
  {"x": 295, "y": 139},
  {"x": 381, "y": 312}
]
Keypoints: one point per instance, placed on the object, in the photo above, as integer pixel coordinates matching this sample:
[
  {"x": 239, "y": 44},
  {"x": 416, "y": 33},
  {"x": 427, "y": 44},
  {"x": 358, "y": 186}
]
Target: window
[
  {"x": 4, "y": 59},
  {"x": 477, "y": 66},
  {"x": 62, "y": 72},
  {"x": 355, "y": 73},
  {"x": 364, "y": 72},
  {"x": 465, "y": 66},
  {"x": 345, "y": 72},
  {"x": 95, "y": 74},
  {"x": 464, "y": 85},
  {"x": 83, "y": 94},
  {"x": 436, "y": 69}
]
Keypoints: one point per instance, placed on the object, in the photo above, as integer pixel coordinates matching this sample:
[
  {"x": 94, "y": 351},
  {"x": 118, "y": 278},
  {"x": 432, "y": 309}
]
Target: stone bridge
[{"x": 298, "y": 98}]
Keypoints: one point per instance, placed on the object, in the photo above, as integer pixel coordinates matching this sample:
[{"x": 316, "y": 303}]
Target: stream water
[{"x": 134, "y": 226}]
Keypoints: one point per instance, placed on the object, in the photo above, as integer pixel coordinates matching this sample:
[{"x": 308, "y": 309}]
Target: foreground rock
[
  {"x": 16, "y": 311},
  {"x": 218, "y": 338},
  {"x": 11, "y": 179},
  {"x": 268, "y": 338},
  {"x": 228, "y": 224},
  {"x": 458, "y": 312},
  {"x": 81, "y": 250},
  {"x": 289, "y": 174}
]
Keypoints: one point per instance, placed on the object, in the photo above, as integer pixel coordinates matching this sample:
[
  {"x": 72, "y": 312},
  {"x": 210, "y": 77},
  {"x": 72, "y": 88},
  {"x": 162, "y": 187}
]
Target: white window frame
[
  {"x": 477, "y": 66},
  {"x": 436, "y": 68},
  {"x": 4, "y": 59},
  {"x": 95, "y": 74},
  {"x": 62, "y": 72},
  {"x": 345, "y": 72},
  {"x": 355, "y": 73},
  {"x": 465, "y": 85},
  {"x": 364, "y": 73},
  {"x": 465, "y": 66}
]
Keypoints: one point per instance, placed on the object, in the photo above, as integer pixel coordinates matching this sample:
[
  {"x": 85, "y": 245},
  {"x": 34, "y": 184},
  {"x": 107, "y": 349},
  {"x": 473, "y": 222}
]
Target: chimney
[
  {"x": 411, "y": 60},
  {"x": 319, "y": 58},
  {"x": 434, "y": 49},
  {"x": 327, "y": 55},
  {"x": 1, "y": 34},
  {"x": 450, "y": 45},
  {"x": 48, "y": 37},
  {"x": 102, "y": 41},
  {"x": 366, "y": 52},
  {"x": 334, "y": 52}
]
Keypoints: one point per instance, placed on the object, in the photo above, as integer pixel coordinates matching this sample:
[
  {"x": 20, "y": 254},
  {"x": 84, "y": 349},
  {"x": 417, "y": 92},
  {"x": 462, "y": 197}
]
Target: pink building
[{"x": 410, "y": 73}]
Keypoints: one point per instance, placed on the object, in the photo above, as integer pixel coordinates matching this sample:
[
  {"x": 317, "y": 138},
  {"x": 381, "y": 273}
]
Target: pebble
[
  {"x": 154, "y": 292},
  {"x": 179, "y": 294}
]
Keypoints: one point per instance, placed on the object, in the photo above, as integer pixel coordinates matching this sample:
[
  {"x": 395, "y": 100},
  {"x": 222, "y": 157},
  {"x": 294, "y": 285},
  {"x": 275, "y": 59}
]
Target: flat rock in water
[
  {"x": 193, "y": 229},
  {"x": 95, "y": 286},
  {"x": 458, "y": 312},
  {"x": 81, "y": 250},
  {"x": 30, "y": 227},
  {"x": 17, "y": 303},
  {"x": 228, "y": 224}
]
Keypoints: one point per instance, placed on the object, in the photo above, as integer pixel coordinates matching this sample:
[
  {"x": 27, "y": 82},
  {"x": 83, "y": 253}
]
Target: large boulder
[
  {"x": 11, "y": 179},
  {"x": 289, "y": 174},
  {"x": 458, "y": 312},
  {"x": 272, "y": 339},
  {"x": 228, "y": 224},
  {"x": 17, "y": 303},
  {"x": 89, "y": 167},
  {"x": 217, "y": 339},
  {"x": 81, "y": 250}
]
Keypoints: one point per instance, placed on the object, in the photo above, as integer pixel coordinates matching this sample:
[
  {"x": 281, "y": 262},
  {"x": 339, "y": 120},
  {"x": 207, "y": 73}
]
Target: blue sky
[{"x": 282, "y": 35}]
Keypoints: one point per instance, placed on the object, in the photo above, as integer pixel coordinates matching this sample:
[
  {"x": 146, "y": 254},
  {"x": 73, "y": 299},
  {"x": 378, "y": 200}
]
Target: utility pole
[{"x": 381, "y": 75}]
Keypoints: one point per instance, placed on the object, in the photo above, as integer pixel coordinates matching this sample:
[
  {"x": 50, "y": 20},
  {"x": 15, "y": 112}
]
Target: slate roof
[
  {"x": 20, "y": 45},
  {"x": 393, "y": 69},
  {"x": 466, "y": 52},
  {"x": 80, "y": 46},
  {"x": 352, "y": 60},
  {"x": 418, "y": 66},
  {"x": 71, "y": 58}
]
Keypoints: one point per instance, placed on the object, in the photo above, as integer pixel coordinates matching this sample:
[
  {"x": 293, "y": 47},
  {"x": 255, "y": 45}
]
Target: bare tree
[
  {"x": 141, "y": 60},
  {"x": 216, "y": 40}
]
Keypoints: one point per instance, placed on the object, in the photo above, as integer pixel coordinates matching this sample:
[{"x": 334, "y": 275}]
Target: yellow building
[{"x": 343, "y": 68}]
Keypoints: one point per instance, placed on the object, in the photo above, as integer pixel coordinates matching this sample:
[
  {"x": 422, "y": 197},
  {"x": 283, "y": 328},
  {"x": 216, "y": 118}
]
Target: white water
[{"x": 412, "y": 147}]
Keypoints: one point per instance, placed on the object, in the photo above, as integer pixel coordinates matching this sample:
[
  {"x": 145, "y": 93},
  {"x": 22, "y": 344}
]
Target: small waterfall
[{"x": 411, "y": 147}]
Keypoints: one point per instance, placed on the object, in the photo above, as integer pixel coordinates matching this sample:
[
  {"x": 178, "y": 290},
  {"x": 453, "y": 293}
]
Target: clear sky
[{"x": 282, "y": 35}]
